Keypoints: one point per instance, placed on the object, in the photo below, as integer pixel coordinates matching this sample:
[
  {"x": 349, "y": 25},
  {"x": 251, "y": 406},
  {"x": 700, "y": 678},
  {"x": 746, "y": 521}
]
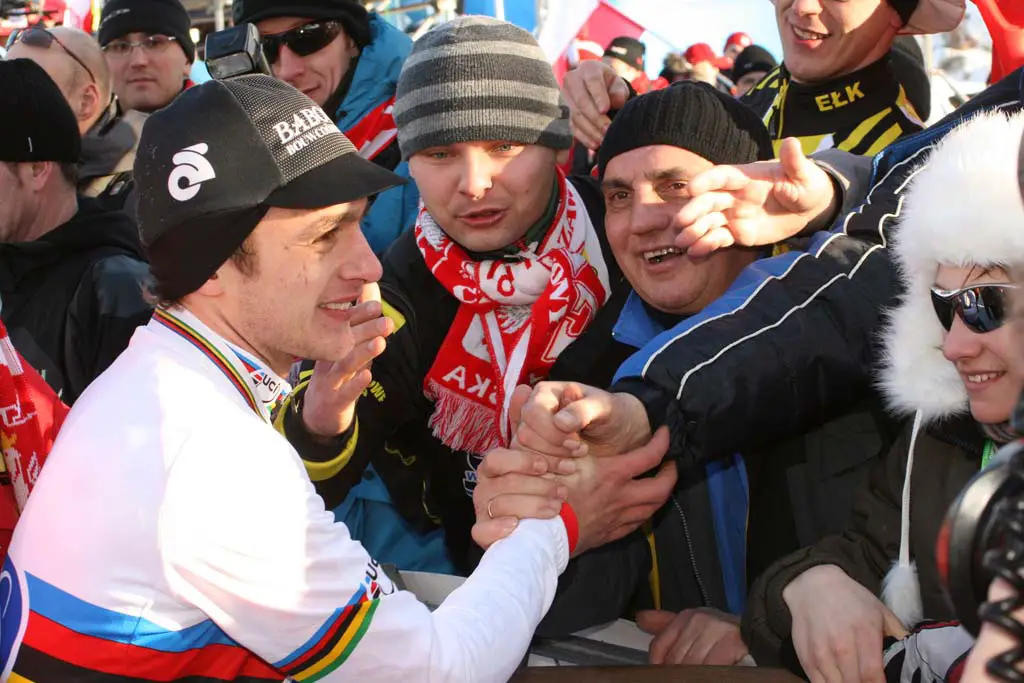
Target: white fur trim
[
  {"x": 962, "y": 208},
  {"x": 901, "y": 592},
  {"x": 935, "y": 16}
]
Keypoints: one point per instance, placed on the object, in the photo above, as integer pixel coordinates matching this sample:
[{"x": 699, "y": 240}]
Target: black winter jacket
[
  {"x": 429, "y": 483},
  {"x": 72, "y": 298},
  {"x": 946, "y": 458}
]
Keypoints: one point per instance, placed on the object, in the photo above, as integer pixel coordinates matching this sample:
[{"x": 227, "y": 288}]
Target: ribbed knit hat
[
  {"x": 37, "y": 121},
  {"x": 693, "y": 116},
  {"x": 477, "y": 78},
  {"x": 155, "y": 17},
  {"x": 753, "y": 58}
]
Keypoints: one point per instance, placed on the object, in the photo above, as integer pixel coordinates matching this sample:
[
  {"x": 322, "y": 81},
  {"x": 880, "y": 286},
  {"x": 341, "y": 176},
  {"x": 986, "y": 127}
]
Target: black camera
[
  {"x": 234, "y": 52},
  {"x": 981, "y": 539}
]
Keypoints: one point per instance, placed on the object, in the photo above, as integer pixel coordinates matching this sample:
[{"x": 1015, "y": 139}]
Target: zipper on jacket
[{"x": 693, "y": 555}]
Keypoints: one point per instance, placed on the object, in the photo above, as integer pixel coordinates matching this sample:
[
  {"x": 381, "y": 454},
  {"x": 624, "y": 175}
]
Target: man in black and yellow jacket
[
  {"x": 507, "y": 279},
  {"x": 836, "y": 87}
]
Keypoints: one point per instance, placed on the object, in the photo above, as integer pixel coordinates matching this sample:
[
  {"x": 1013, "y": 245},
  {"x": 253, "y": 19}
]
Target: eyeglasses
[
  {"x": 34, "y": 36},
  {"x": 983, "y": 308},
  {"x": 151, "y": 44},
  {"x": 302, "y": 40}
]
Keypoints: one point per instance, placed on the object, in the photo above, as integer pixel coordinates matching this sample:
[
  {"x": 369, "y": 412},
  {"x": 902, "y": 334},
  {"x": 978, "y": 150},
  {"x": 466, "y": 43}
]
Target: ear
[
  {"x": 89, "y": 104},
  {"x": 186, "y": 70},
  {"x": 40, "y": 172},
  {"x": 351, "y": 47},
  {"x": 562, "y": 157}
]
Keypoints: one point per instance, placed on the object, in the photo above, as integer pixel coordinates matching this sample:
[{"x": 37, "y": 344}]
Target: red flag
[
  {"x": 1005, "y": 22},
  {"x": 605, "y": 24}
]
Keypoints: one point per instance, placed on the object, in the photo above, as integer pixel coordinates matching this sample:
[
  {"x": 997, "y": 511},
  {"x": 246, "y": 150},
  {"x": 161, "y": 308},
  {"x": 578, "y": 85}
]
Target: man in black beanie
[
  {"x": 703, "y": 543},
  {"x": 347, "y": 60},
  {"x": 149, "y": 50},
  {"x": 750, "y": 68},
  {"x": 71, "y": 272}
]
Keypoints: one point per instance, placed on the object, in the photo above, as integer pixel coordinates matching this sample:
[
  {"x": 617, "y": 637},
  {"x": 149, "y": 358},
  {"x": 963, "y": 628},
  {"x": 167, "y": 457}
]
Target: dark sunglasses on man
[
  {"x": 36, "y": 36},
  {"x": 302, "y": 40},
  {"x": 982, "y": 308}
]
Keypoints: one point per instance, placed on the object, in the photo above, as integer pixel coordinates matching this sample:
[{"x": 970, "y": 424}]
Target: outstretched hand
[{"x": 754, "y": 204}]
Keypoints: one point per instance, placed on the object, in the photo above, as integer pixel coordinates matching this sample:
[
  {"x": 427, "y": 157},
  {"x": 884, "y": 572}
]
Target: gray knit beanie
[{"x": 477, "y": 78}]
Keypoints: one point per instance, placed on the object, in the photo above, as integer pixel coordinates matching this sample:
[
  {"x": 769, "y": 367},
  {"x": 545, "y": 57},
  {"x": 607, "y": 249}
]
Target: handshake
[{"x": 578, "y": 444}]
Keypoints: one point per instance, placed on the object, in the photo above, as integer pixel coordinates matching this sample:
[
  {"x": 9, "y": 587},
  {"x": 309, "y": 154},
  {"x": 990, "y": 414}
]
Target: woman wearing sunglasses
[{"x": 948, "y": 357}]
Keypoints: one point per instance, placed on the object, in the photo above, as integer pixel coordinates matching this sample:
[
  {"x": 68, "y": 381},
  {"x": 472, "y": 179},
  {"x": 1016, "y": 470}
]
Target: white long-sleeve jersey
[{"x": 173, "y": 534}]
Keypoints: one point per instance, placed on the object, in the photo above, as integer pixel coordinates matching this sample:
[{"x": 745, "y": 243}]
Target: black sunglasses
[
  {"x": 302, "y": 40},
  {"x": 35, "y": 36},
  {"x": 983, "y": 308}
]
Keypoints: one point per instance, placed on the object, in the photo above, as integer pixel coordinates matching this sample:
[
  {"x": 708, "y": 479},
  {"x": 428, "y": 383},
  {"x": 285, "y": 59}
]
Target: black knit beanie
[
  {"x": 693, "y": 116},
  {"x": 37, "y": 121},
  {"x": 155, "y": 17},
  {"x": 353, "y": 16},
  {"x": 904, "y": 8},
  {"x": 753, "y": 58}
]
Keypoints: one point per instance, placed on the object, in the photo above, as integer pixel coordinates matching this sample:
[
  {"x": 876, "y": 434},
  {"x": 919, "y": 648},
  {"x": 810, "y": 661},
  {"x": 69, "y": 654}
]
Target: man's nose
[
  {"x": 476, "y": 175},
  {"x": 650, "y": 214},
  {"x": 288, "y": 65},
  {"x": 359, "y": 262}
]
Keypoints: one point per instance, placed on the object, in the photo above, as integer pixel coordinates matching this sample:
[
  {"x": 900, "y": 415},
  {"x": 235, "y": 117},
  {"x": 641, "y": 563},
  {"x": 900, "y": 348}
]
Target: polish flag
[
  {"x": 1005, "y": 22},
  {"x": 586, "y": 21}
]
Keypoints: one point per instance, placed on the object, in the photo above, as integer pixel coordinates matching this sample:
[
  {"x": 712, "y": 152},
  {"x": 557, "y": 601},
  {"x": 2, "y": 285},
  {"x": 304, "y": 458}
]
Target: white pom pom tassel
[{"x": 901, "y": 591}]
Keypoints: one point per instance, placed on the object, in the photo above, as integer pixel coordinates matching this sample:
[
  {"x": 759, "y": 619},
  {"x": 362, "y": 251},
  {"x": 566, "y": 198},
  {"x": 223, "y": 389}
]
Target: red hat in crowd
[
  {"x": 700, "y": 52},
  {"x": 738, "y": 38}
]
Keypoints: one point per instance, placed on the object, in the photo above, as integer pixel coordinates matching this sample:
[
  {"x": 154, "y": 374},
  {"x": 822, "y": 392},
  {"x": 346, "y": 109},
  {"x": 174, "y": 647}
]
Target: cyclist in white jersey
[{"x": 174, "y": 535}]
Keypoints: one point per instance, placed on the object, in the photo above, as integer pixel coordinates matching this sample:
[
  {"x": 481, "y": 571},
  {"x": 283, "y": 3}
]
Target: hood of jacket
[
  {"x": 963, "y": 208},
  {"x": 109, "y": 147},
  {"x": 92, "y": 228},
  {"x": 376, "y": 75}
]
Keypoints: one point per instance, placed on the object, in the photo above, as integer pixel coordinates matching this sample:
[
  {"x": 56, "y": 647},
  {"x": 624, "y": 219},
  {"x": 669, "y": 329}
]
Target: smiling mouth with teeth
[
  {"x": 342, "y": 306},
  {"x": 659, "y": 255},
  {"x": 984, "y": 377},
  {"x": 804, "y": 34}
]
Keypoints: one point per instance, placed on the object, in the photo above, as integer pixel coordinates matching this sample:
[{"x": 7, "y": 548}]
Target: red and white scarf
[{"x": 517, "y": 315}]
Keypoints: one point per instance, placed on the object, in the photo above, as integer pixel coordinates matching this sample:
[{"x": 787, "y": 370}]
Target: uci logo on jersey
[{"x": 191, "y": 170}]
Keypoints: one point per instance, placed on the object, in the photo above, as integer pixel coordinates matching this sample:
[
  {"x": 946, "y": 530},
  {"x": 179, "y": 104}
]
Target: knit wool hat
[
  {"x": 691, "y": 115},
  {"x": 753, "y": 58},
  {"x": 474, "y": 79},
  {"x": 37, "y": 121},
  {"x": 155, "y": 17},
  {"x": 353, "y": 16}
]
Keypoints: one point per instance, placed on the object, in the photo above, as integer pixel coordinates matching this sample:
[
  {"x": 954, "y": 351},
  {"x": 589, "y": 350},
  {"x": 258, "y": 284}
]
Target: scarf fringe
[{"x": 462, "y": 424}]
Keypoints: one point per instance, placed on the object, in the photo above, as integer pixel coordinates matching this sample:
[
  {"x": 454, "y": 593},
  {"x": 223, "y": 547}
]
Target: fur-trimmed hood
[{"x": 962, "y": 208}]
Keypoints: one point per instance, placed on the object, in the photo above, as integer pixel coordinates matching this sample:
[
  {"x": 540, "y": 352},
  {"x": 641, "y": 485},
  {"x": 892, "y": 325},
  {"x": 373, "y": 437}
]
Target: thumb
[
  {"x": 654, "y": 621},
  {"x": 520, "y": 396},
  {"x": 618, "y": 94},
  {"x": 580, "y": 414},
  {"x": 794, "y": 162},
  {"x": 891, "y": 624}
]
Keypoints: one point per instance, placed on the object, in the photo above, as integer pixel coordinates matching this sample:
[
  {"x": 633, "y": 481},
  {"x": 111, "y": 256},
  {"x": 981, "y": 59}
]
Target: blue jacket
[
  {"x": 373, "y": 83},
  {"x": 726, "y": 480}
]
